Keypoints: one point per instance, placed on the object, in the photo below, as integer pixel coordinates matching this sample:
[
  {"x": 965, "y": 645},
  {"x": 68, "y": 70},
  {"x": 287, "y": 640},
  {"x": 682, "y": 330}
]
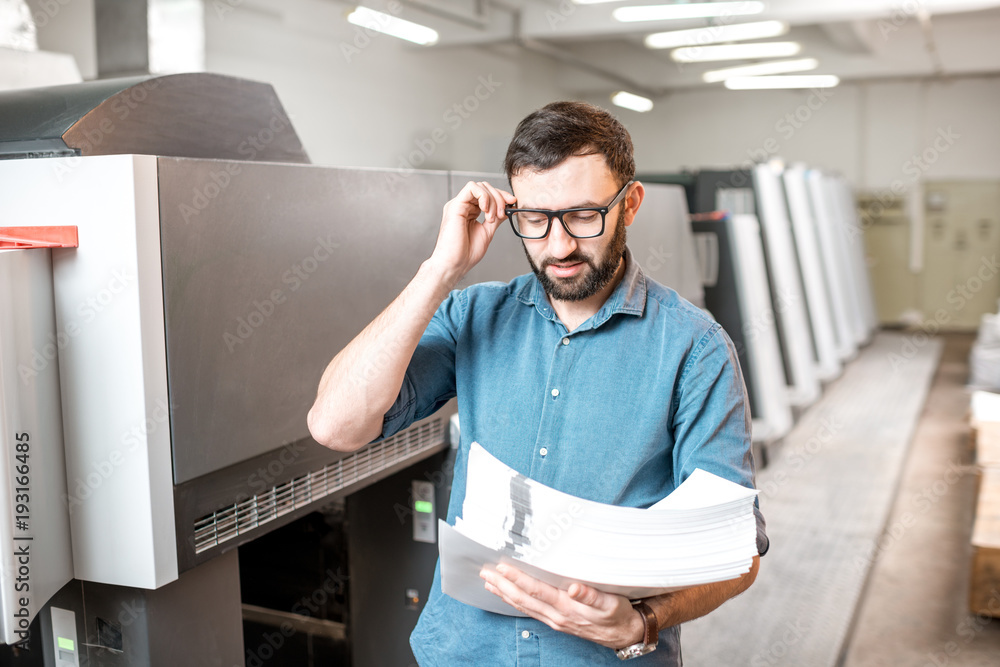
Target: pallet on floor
[
  {"x": 984, "y": 582},
  {"x": 984, "y": 579}
]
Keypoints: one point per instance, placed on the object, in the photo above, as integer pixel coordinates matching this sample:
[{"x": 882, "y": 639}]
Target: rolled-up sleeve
[{"x": 429, "y": 381}]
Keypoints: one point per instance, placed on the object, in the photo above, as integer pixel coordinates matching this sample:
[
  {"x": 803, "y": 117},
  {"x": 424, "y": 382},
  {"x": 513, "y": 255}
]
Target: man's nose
[{"x": 561, "y": 244}]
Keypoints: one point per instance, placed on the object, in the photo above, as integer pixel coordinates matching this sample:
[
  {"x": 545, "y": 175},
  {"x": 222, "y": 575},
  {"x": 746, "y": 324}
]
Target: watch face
[{"x": 635, "y": 650}]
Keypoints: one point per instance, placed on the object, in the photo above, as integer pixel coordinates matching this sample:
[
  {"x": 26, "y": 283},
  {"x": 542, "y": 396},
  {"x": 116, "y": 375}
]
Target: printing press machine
[
  {"x": 738, "y": 288},
  {"x": 162, "y": 362},
  {"x": 785, "y": 275}
]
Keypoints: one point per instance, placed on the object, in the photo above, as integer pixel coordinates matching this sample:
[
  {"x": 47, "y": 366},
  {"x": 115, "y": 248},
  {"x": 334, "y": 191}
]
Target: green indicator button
[
  {"x": 67, "y": 644},
  {"x": 423, "y": 506}
]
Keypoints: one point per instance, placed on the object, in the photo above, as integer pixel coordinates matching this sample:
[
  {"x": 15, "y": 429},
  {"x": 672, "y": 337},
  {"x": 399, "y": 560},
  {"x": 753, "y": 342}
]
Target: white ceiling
[{"x": 854, "y": 39}]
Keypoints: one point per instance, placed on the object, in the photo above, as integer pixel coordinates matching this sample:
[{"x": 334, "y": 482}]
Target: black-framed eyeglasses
[{"x": 580, "y": 223}]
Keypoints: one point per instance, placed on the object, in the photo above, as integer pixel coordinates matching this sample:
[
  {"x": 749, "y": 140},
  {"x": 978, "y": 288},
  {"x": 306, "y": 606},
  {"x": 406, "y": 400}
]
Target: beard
[{"x": 589, "y": 282}]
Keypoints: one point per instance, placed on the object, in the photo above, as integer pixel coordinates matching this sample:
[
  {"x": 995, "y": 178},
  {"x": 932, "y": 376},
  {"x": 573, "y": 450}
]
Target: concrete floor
[
  {"x": 914, "y": 611},
  {"x": 827, "y": 492}
]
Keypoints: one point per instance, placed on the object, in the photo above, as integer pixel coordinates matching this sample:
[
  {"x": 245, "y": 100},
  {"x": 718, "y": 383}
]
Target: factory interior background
[{"x": 877, "y": 462}]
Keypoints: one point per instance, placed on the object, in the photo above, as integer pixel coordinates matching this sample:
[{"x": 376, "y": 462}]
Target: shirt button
[
  {"x": 525, "y": 634},
  {"x": 555, "y": 392},
  {"x": 543, "y": 451},
  {"x": 565, "y": 341}
]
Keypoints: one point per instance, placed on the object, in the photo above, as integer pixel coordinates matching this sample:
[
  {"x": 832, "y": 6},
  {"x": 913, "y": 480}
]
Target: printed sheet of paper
[
  {"x": 705, "y": 531},
  {"x": 466, "y": 557}
]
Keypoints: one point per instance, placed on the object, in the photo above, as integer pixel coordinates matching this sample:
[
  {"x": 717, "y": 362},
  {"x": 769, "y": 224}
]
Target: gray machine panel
[
  {"x": 263, "y": 286},
  {"x": 191, "y": 115},
  {"x": 663, "y": 243}
]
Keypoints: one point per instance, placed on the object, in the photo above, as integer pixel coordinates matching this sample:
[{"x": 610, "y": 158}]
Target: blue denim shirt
[{"x": 621, "y": 410}]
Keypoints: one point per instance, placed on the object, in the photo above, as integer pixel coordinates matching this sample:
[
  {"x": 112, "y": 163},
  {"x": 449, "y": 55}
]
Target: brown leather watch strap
[{"x": 649, "y": 618}]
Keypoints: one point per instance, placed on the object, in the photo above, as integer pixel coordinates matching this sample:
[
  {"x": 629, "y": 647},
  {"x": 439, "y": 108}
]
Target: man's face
[{"x": 572, "y": 269}]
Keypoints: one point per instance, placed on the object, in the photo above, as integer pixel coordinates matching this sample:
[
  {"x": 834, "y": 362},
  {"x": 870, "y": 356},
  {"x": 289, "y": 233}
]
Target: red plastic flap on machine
[{"x": 39, "y": 237}]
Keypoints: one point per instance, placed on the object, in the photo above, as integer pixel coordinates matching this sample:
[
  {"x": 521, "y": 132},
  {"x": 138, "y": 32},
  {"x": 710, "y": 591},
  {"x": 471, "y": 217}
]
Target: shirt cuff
[{"x": 401, "y": 414}]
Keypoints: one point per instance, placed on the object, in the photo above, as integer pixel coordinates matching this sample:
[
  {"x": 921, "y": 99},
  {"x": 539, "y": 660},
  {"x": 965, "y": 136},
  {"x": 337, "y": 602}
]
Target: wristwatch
[{"x": 649, "y": 638}]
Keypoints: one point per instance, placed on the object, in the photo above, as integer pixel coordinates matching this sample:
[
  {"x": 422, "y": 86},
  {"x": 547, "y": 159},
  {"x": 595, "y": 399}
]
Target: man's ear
[{"x": 632, "y": 201}]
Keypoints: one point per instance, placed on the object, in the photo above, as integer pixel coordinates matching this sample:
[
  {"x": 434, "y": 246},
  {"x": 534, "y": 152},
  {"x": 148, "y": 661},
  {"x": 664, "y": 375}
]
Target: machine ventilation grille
[{"x": 241, "y": 518}]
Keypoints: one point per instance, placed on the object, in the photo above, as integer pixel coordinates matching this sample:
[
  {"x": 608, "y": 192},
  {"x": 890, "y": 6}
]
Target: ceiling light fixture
[
  {"x": 391, "y": 25},
  {"x": 714, "y": 34},
  {"x": 694, "y": 10},
  {"x": 776, "y": 82},
  {"x": 761, "y": 69},
  {"x": 633, "y": 102},
  {"x": 699, "y": 54}
]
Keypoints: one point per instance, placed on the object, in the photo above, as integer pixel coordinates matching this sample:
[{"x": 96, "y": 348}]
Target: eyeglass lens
[{"x": 534, "y": 224}]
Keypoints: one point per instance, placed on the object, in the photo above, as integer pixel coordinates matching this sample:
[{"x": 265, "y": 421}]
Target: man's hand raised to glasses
[{"x": 462, "y": 240}]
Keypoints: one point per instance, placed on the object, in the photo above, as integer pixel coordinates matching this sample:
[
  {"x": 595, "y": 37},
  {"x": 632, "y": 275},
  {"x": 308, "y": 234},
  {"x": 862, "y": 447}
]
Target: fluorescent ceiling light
[
  {"x": 630, "y": 101},
  {"x": 698, "y": 54},
  {"x": 390, "y": 25},
  {"x": 776, "y": 67},
  {"x": 769, "y": 82},
  {"x": 695, "y": 10},
  {"x": 714, "y": 34}
]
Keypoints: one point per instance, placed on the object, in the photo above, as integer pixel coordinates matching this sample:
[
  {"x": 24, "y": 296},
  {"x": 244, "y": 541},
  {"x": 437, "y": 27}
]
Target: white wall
[
  {"x": 721, "y": 128},
  {"x": 375, "y": 101},
  {"x": 68, "y": 26},
  {"x": 360, "y": 100},
  {"x": 870, "y": 132}
]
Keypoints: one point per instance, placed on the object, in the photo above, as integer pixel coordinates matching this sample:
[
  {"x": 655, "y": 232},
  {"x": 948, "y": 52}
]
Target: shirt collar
[{"x": 628, "y": 297}]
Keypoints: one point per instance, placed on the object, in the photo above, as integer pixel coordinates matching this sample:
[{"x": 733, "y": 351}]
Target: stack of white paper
[
  {"x": 703, "y": 532},
  {"x": 985, "y": 408}
]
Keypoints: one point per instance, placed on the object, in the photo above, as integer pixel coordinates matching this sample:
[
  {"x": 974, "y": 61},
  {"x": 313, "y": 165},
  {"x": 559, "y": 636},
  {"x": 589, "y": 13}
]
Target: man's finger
[
  {"x": 483, "y": 201},
  {"x": 469, "y": 200},
  {"x": 523, "y": 589},
  {"x": 533, "y": 587},
  {"x": 497, "y": 202},
  {"x": 585, "y": 595},
  {"x": 504, "y": 198},
  {"x": 526, "y": 603}
]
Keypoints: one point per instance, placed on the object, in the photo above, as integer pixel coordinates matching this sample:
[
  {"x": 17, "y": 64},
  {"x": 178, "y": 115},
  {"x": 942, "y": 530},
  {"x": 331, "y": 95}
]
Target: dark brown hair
[{"x": 562, "y": 129}]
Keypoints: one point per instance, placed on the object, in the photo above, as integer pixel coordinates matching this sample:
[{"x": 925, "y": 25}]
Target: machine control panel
[
  {"x": 64, "y": 638},
  {"x": 424, "y": 516}
]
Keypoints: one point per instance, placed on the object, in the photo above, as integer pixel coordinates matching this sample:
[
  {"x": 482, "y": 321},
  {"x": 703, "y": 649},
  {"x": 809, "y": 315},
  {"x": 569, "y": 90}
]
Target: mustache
[{"x": 572, "y": 258}]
